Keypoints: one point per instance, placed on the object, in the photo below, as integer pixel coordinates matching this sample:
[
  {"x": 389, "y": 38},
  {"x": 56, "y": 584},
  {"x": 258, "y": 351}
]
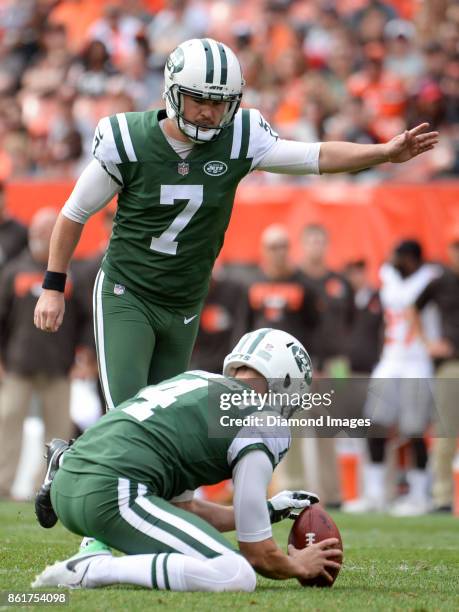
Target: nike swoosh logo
[
  {"x": 74, "y": 562},
  {"x": 188, "y": 320}
]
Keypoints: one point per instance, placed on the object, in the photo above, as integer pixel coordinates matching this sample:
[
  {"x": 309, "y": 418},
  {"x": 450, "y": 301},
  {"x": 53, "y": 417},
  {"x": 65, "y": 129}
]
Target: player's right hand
[
  {"x": 315, "y": 558},
  {"x": 49, "y": 311}
]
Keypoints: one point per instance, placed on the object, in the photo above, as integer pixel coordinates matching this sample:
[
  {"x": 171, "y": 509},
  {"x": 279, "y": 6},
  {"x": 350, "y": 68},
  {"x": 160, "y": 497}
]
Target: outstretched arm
[
  {"x": 350, "y": 157},
  {"x": 251, "y": 519},
  {"x": 251, "y": 476}
]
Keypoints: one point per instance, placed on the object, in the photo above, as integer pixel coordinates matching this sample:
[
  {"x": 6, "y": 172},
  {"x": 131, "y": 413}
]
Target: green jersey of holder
[
  {"x": 172, "y": 212},
  {"x": 168, "y": 437}
]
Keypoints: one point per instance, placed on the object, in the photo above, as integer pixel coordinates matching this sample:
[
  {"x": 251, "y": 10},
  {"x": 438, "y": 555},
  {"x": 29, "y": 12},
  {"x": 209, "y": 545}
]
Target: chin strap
[{"x": 183, "y": 125}]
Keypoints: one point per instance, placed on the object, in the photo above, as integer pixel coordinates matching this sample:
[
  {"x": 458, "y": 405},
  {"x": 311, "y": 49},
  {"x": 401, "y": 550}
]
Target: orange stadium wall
[{"x": 363, "y": 221}]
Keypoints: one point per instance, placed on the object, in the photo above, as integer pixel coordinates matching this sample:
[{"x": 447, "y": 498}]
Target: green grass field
[{"x": 390, "y": 564}]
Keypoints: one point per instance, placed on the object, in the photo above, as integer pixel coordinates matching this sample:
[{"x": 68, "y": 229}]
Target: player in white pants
[{"x": 400, "y": 392}]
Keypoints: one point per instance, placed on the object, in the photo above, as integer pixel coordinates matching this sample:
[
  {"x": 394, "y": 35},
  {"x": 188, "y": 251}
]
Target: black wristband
[{"x": 54, "y": 281}]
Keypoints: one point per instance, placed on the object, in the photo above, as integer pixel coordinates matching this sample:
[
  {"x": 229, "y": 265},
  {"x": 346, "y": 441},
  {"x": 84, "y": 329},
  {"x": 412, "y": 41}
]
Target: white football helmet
[
  {"x": 202, "y": 68},
  {"x": 279, "y": 357}
]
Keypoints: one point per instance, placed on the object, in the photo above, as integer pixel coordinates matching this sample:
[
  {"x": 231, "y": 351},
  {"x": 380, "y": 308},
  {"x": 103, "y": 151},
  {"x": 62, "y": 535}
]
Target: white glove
[{"x": 281, "y": 505}]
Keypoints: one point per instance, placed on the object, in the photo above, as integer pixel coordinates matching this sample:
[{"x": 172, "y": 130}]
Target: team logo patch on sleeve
[{"x": 215, "y": 168}]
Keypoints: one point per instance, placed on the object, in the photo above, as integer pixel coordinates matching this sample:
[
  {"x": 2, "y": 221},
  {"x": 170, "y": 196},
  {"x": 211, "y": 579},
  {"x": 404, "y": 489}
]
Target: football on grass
[{"x": 311, "y": 526}]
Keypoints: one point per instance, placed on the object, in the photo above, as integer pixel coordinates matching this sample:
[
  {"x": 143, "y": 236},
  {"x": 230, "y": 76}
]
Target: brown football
[{"x": 311, "y": 526}]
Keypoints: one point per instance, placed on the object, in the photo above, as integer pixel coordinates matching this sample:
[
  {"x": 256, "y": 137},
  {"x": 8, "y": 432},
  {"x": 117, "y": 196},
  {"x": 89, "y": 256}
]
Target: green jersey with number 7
[
  {"x": 173, "y": 212},
  {"x": 176, "y": 172}
]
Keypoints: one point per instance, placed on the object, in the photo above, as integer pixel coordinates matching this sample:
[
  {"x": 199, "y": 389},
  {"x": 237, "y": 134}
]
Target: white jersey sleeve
[
  {"x": 273, "y": 154},
  {"x": 251, "y": 477},
  {"x": 292, "y": 157},
  {"x": 262, "y": 138},
  {"x": 105, "y": 151},
  {"x": 274, "y": 442},
  {"x": 93, "y": 190}
]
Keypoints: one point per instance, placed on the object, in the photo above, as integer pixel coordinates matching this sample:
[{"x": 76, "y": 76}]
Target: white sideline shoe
[
  {"x": 364, "y": 504},
  {"x": 407, "y": 506}
]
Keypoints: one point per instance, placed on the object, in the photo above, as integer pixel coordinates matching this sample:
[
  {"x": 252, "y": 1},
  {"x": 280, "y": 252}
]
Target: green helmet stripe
[
  {"x": 224, "y": 63},
  {"x": 118, "y": 139},
  {"x": 242, "y": 342},
  {"x": 257, "y": 340},
  {"x": 209, "y": 61},
  {"x": 245, "y": 134}
]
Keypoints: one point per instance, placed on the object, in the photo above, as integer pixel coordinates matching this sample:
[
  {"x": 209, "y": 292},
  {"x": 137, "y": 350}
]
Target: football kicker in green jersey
[
  {"x": 161, "y": 437},
  {"x": 172, "y": 212}
]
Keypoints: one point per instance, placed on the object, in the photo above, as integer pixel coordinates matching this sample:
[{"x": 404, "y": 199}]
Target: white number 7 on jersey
[{"x": 166, "y": 243}]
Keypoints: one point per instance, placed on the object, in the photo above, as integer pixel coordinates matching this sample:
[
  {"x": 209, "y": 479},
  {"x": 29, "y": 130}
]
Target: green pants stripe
[
  {"x": 138, "y": 343},
  {"x": 157, "y": 513},
  {"x": 166, "y": 575},
  {"x": 125, "y": 515},
  {"x": 154, "y": 582},
  {"x": 99, "y": 336}
]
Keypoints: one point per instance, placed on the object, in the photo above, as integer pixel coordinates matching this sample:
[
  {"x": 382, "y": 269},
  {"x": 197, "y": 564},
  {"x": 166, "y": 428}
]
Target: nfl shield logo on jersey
[
  {"x": 183, "y": 168},
  {"x": 119, "y": 289}
]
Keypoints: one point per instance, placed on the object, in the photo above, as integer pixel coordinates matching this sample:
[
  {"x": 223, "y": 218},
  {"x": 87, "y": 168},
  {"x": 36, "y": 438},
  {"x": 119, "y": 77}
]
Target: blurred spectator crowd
[{"x": 360, "y": 70}]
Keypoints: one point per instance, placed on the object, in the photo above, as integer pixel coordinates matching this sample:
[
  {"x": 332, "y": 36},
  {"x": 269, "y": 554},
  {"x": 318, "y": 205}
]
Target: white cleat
[
  {"x": 70, "y": 573},
  {"x": 410, "y": 507},
  {"x": 364, "y": 504}
]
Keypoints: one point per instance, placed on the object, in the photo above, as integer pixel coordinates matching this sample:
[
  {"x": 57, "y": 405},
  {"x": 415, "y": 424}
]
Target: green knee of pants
[
  {"x": 127, "y": 516},
  {"x": 138, "y": 343}
]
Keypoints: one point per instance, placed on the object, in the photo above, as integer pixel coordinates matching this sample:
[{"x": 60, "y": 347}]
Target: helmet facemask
[
  {"x": 196, "y": 132},
  {"x": 294, "y": 389}
]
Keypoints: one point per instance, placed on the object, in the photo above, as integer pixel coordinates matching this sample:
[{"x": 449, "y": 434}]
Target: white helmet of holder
[
  {"x": 279, "y": 357},
  {"x": 204, "y": 69}
]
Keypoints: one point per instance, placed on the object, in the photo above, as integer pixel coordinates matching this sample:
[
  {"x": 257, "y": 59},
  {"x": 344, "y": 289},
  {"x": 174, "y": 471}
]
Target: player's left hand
[
  {"x": 411, "y": 143},
  {"x": 283, "y": 504}
]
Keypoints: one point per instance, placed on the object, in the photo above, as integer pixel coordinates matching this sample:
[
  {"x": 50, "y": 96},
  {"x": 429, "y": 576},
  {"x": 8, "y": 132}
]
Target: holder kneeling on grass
[{"x": 128, "y": 482}]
